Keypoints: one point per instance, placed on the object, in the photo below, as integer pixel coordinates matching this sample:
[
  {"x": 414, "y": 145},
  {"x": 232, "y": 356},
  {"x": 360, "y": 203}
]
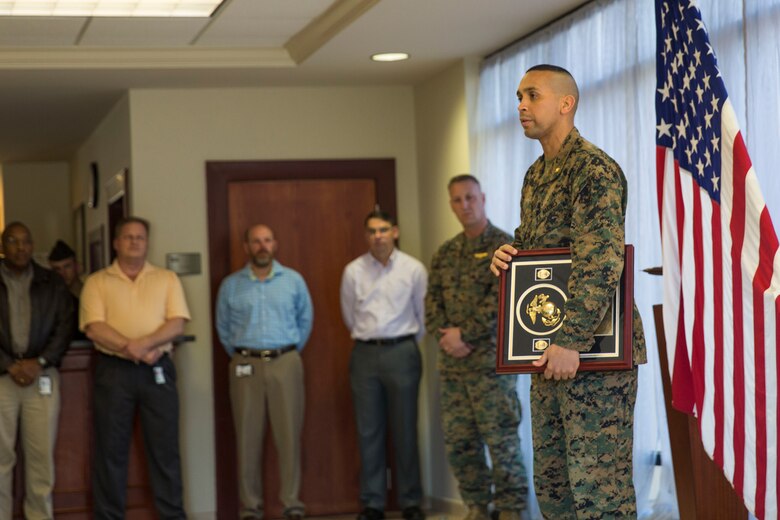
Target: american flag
[{"x": 720, "y": 267}]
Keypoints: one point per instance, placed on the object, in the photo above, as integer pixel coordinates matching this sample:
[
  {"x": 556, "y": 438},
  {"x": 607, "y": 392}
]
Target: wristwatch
[{"x": 42, "y": 361}]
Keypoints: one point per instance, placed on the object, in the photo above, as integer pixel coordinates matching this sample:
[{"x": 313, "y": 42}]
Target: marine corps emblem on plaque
[{"x": 540, "y": 309}]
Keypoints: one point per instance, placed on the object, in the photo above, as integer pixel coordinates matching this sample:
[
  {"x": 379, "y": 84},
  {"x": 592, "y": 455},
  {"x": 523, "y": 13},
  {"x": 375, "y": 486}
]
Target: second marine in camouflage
[{"x": 479, "y": 408}]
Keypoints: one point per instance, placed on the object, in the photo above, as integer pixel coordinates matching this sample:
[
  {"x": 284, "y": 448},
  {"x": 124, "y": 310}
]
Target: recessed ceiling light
[
  {"x": 115, "y": 8},
  {"x": 390, "y": 56}
]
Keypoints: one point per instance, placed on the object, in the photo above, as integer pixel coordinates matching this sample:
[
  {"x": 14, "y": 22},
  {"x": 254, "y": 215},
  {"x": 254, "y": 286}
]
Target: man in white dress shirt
[{"x": 382, "y": 302}]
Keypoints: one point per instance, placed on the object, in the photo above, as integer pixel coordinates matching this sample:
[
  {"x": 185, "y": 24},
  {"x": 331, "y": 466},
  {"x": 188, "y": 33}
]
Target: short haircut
[
  {"x": 463, "y": 177},
  {"x": 546, "y": 67},
  {"x": 12, "y": 225},
  {"x": 253, "y": 226},
  {"x": 131, "y": 220},
  {"x": 381, "y": 215}
]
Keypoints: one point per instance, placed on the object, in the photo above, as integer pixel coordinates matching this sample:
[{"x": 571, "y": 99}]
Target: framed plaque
[{"x": 533, "y": 293}]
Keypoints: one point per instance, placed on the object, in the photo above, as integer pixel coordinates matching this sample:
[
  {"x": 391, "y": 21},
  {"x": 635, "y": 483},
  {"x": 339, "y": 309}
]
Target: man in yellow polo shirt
[{"x": 132, "y": 310}]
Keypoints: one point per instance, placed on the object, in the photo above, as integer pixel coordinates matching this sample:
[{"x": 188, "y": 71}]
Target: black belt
[
  {"x": 270, "y": 353},
  {"x": 112, "y": 356},
  {"x": 387, "y": 341}
]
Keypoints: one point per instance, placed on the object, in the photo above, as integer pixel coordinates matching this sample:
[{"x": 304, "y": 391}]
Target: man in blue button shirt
[{"x": 264, "y": 318}]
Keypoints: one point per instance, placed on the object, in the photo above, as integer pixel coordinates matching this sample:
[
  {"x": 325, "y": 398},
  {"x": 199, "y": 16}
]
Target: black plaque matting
[{"x": 533, "y": 292}]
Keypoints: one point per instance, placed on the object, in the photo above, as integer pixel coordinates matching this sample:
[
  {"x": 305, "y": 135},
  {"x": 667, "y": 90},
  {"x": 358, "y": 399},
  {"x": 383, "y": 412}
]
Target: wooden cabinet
[{"x": 73, "y": 454}]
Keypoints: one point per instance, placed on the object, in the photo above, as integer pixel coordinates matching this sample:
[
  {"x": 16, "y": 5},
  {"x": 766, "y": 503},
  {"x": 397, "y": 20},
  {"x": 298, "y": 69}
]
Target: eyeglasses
[
  {"x": 129, "y": 238},
  {"x": 381, "y": 230}
]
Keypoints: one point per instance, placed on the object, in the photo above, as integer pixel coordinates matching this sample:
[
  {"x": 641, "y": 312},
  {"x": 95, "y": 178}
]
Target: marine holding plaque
[{"x": 573, "y": 197}]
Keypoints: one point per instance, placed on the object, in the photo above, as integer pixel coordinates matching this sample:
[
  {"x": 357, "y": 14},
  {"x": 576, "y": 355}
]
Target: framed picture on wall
[
  {"x": 97, "y": 249},
  {"x": 117, "y": 203},
  {"x": 79, "y": 234}
]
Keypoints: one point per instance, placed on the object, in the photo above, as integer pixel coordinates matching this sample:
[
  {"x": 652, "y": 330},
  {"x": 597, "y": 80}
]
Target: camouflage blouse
[
  {"x": 462, "y": 292},
  {"x": 578, "y": 200}
]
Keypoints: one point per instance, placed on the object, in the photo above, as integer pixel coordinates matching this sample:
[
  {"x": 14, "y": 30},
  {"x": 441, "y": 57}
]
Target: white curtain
[
  {"x": 761, "y": 120},
  {"x": 609, "y": 47}
]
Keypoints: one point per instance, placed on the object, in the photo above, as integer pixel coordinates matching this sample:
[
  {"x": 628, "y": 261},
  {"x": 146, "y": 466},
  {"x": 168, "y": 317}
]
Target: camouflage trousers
[
  {"x": 583, "y": 443},
  {"x": 481, "y": 409}
]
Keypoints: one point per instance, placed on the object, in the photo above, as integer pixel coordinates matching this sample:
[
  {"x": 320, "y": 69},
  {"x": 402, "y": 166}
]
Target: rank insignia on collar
[{"x": 480, "y": 256}]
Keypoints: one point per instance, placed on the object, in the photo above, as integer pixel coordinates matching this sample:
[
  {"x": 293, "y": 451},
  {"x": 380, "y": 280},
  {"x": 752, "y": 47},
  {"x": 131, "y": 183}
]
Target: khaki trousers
[
  {"x": 35, "y": 417},
  {"x": 276, "y": 387}
]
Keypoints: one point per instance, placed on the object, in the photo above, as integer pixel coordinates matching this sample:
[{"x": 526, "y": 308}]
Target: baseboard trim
[
  {"x": 202, "y": 516},
  {"x": 446, "y": 506}
]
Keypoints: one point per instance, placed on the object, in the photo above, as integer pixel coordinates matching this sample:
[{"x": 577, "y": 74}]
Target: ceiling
[{"x": 60, "y": 76}]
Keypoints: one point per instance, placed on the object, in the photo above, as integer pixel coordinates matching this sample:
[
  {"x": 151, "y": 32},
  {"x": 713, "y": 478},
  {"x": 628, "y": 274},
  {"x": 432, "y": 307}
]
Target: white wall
[
  {"x": 108, "y": 146},
  {"x": 443, "y": 152},
  {"x": 166, "y": 136},
  {"x": 29, "y": 188},
  {"x": 172, "y": 133}
]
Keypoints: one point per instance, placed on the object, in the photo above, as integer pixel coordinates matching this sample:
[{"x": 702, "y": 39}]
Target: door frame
[{"x": 219, "y": 175}]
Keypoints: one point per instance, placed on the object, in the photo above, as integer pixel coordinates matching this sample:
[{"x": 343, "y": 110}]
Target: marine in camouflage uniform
[
  {"x": 478, "y": 407},
  {"x": 582, "y": 427}
]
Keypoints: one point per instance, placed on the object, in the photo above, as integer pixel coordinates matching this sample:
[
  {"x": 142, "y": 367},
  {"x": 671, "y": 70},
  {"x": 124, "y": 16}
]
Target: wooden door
[{"x": 316, "y": 209}]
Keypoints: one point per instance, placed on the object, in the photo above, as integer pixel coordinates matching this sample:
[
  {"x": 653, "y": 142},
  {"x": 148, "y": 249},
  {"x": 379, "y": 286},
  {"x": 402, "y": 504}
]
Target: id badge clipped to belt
[
  {"x": 159, "y": 375},
  {"x": 44, "y": 385},
  {"x": 244, "y": 370}
]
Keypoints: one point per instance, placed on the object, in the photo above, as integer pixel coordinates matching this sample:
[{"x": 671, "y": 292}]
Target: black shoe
[
  {"x": 295, "y": 514},
  {"x": 413, "y": 513},
  {"x": 370, "y": 513}
]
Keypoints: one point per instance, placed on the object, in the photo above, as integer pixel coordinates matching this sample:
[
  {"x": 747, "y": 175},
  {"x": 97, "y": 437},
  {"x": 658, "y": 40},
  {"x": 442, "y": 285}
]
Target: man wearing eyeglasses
[
  {"x": 382, "y": 303},
  {"x": 132, "y": 311}
]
